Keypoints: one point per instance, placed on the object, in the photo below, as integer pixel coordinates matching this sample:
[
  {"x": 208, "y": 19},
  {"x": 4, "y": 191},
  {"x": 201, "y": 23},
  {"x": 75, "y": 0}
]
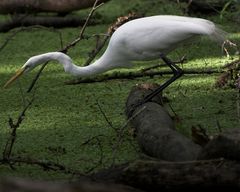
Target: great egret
[{"x": 142, "y": 39}]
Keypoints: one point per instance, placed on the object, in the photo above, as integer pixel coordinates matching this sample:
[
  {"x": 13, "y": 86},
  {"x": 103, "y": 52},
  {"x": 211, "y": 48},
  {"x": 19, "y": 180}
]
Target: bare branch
[
  {"x": 138, "y": 74},
  {"x": 80, "y": 37},
  {"x": 46, "y": 165},
  {"x": 15, "y": 32},
  {"x": 11, "y": 140},
  {"x": 70, "y": 45},
  {"x": 121, "y": 132},
  {"x": 104, "y": 115}
]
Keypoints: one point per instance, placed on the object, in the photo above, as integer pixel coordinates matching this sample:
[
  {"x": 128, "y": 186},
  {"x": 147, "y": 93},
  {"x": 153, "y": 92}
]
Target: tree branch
[
  {"x": 138, "y": 74},
  {"x": 70, "y": 45}
]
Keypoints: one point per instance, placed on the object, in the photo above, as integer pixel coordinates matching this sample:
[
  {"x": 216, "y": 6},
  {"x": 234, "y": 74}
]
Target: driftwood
[{"x": 28, "y": 6}]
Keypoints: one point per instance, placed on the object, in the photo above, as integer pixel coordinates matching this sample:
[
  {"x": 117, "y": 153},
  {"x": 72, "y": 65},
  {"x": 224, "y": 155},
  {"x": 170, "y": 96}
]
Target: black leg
[
  {"x": 177, "y": 72},
  {"x": 181, "y": 61}
]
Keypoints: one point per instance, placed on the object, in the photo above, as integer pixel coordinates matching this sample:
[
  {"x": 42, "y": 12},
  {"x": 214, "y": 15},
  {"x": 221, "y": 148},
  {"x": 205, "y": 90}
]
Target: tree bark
[{"x": 59, "y": 6}]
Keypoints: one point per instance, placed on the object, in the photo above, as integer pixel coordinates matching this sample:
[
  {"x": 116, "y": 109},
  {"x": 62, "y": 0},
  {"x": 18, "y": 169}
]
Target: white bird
[{"x": 141, "y": 39}]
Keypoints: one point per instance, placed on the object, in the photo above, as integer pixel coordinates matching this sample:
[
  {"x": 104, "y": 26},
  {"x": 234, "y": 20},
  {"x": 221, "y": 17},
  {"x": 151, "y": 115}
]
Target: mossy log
[{"x": 138, "y": 74}]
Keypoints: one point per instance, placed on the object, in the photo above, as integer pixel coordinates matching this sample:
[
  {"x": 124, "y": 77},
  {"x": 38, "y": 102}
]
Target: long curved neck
[
  {"x": 90, "y": 70},
  {"x": 70, "y": 67}
]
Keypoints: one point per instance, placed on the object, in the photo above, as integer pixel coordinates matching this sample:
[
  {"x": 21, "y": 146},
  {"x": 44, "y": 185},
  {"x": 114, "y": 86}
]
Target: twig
[
  {"x": 70, "y": 45},
  {"x": 238, "y": 105},
  {"x": 11, "y": 140},
  {"x": 97, "y": 49},
  {"x": 100, "y": 161},
  {"x": 218, "y": 126},
  {"x": 91, "y": 139},
  {"x": 120, "y": 134},
  {"x": 104, "y": 115},
  {"x": 15, "y": 32},
  {"x": 46, "y": 165},
  {"x": 80, "y": 37},
  {"x": 10, "y": 37}
]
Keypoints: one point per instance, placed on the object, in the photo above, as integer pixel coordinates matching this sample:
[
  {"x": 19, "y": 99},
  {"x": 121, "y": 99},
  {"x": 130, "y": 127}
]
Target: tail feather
[
  {"x": 219, "y": 35},
  {"x": 206, "y": 27}
]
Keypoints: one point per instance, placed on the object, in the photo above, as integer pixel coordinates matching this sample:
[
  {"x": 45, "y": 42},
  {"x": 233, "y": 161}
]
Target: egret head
[
  {"x": 41, "y": 59},
  {"x": 25, "y": 68}
]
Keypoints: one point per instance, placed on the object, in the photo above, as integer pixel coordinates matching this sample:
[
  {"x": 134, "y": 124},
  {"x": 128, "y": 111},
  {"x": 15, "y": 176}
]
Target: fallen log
[
  {"x": 218, "y": 174},
  {"x": 225, "y": 144},
  {"x": 155, "y": 129},
  {"x": 156, "y": 175},
  {"x": 142, "y": 175},
  {"x": 29, "y": 6},
  {"x": 19, "y": 184},
  {"x": 46, "y": 21}
]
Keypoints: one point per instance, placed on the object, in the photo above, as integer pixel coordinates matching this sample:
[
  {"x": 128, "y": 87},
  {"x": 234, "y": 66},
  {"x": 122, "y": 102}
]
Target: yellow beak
[{"x": 14, "y": 77}]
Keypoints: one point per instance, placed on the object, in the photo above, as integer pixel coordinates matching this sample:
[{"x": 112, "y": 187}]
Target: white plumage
[{"x": 141, "y": 39}]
